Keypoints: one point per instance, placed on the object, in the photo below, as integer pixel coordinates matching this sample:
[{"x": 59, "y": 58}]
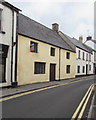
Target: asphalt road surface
[{"x": 59, "y": 102}]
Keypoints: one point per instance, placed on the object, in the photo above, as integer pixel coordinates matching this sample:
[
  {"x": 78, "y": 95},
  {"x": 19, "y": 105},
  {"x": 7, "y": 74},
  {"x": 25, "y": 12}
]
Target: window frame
[
  {"x": 52, "y": 51},
  {"x": 89, "y": 67},
  {"x": 1, "y": 19},
  {"x": 83, "y": 70},
  {"x": 78, "y": 69},
  {"x": 79, "y": 54},
  {"x": 3, "y": 64},
  {"x": 90, "y": 57},
  {"x": 35, "y": 47},
  {"x": 86, "y": 56},
  {"x": 83, "y": 55},
  {"x": 67, "y": 55},
  {"x": 38, "y": 67},
  {"x": 68, "y": 69}
]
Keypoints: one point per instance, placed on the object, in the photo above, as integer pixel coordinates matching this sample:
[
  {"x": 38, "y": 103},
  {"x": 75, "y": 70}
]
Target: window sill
[{"x": 3, "y": 32}]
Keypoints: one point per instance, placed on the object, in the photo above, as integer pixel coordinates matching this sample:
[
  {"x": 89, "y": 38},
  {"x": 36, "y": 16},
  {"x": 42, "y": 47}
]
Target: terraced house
[
  {"x": 8, "y": 38},
  {"x": 31, "y": 52},
  {"x": 42, "y": 54},
  {"x": 84, "y": 55}
]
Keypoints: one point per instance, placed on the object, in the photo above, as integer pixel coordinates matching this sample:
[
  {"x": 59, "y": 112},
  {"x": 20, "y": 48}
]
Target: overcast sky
[{"x": 75, "y": 17}]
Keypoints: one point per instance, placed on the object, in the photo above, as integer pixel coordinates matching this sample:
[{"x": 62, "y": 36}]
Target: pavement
[{"x": 4, "y": 92}]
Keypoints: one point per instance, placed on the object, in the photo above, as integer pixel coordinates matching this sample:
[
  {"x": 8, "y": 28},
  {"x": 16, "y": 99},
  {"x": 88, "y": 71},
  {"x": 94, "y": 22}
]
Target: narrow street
[{"x": 58, "y": 102}]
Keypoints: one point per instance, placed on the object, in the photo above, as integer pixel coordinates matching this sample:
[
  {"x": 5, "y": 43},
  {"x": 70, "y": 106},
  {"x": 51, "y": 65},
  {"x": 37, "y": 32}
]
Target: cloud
[
  {"x": 51, "y": 0},
  {"x": 75, "y": 18}
]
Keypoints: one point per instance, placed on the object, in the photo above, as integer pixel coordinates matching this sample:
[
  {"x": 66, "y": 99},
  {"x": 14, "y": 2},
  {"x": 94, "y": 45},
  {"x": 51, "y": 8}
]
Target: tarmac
[{"x": 5, "y": 92}]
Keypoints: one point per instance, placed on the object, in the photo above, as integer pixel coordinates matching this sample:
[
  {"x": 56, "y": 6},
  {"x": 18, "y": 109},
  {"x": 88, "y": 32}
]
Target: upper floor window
[
  {"x": 52, "y": 52},
  {"x": 33, "y": 47},
  {"x": 0, "y": 19},
  {"x": 87, "y": 57},
  {"x": 68, "y": 69},
  {"x": 90, "y": 57},
  {"x": 67, "y": 55},
  {"x": 79, "y": 54},
  {"x": 83, "y": 56}
]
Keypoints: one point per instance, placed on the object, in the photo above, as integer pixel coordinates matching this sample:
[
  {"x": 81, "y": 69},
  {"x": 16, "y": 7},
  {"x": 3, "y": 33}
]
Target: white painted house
[
  {"x": 8, "y": 43},
  {"x": 84, "y": 55}
]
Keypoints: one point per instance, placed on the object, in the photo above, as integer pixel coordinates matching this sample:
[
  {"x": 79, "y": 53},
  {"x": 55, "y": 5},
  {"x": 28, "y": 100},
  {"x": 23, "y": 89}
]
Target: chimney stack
[
  {"x": 55, "y": 27},
  {"x": 81, "y": 39}
]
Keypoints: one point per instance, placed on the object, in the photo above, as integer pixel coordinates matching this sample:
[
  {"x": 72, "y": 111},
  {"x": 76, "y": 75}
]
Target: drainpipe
[
  {"x": 12, "y": 47},
  {"x": 16, "y": 52},
  {"x": 59, "y": 61}
]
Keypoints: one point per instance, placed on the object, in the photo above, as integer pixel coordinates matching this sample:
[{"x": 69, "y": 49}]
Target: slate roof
[
  {"x": 79, "y": 45},
  {"x": 37, "y": 31}
]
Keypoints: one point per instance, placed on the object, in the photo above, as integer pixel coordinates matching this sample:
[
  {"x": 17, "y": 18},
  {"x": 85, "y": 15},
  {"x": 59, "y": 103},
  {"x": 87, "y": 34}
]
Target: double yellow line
[{"x": 80, "y": 109}]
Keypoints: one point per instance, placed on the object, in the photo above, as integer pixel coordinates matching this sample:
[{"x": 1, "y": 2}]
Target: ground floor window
[
  {"x": 89, "y": 67},
  {"x": 68, "y": 69},
  {"x": 78, "y": 69},
  {"x": 83, "y": 69},
  {"x": 2, "y": 70},
  {"x": 3, "y": 56},
  {"x": 39, "y": 68}
]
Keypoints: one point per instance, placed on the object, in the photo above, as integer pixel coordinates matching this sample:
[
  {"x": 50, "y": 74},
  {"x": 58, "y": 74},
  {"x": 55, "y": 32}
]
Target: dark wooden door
[
  {"x": 52, "y": 72},
  {"x": 86, "y": 69}
]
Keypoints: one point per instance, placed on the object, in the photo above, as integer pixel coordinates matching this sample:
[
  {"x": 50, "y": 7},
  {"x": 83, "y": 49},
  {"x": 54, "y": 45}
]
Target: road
[{"x": 58, "y": 102}]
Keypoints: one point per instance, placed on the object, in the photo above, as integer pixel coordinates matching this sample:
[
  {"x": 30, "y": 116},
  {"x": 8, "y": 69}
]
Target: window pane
[
  {"x": 39, "y": 68},
  {"x": 78, "y": 69},
  {"x": 52, "y": 51},
  {"x": 68, "y": 55},
  {"x": 79, "y": 54},
  {"x": 83, "y": 69},
  {"x": 2, "y": 69},
  {"x": 68, "y": 69},
  {"x": 33, "y": 47},
  {"x": 0, "y": 18}
]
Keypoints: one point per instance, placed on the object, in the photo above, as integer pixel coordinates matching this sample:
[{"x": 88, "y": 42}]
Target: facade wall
[
  {"x": 26, "y": 61},
  {"x": 6, "y": 39},
  {"x": 80, "y": 62},
  {"x": 65, "y": 62}
]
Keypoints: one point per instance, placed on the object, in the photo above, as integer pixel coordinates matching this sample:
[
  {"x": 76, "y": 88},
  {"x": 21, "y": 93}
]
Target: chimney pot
[
  {"x": 89, "y": 38},
  {"x": 55, "y": 27}
]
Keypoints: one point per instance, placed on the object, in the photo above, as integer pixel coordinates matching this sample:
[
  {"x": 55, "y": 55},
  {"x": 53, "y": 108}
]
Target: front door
[
  {"x": 86, "y": 69},
  {"x": 52, "y": 72}
]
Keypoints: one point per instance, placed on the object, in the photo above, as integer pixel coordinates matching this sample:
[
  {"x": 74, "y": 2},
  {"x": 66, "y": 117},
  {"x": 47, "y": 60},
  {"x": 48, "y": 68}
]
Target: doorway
[
  {"x": 52, "y": 72},
  {"x": 86, "y": 69}
]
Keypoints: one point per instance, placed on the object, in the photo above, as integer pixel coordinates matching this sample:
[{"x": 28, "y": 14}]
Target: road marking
[
  {"x": 38, "y": 90},
  {"x": 89, "y": 91},
  {"x": 84, "y": 106}
]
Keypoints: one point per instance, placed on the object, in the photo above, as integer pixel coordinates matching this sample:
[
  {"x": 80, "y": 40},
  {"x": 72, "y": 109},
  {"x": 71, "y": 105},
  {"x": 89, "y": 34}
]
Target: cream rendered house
[{"x": 42, "y": 54}]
